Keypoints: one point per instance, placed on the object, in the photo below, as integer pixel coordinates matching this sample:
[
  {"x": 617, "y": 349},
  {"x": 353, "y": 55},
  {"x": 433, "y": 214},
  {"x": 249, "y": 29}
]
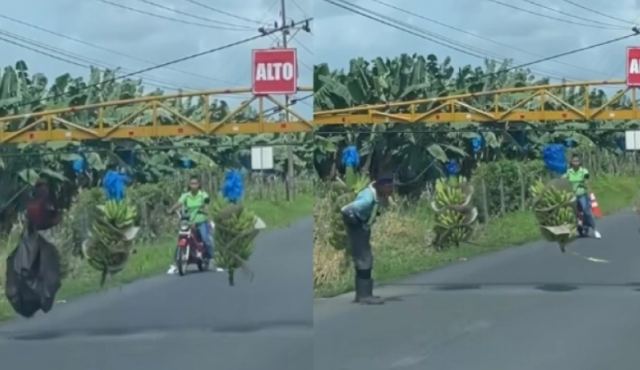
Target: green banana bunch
[
  {"x": 454, "y": 219},
  {"x": 234, "y": 235},
  {"x": 111, "y": 238},
  {"x": 554, "y": 207}
]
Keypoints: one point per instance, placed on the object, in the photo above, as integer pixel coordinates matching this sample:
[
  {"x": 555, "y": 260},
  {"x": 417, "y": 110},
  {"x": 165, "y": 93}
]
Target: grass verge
[
  {"x": 154, "y": 258},
  {"x": 401, "y": 237}
]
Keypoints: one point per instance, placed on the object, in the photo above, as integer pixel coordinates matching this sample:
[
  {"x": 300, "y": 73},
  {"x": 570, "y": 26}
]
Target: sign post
[
  {"x": 275, "y": 71},
  {"x": 633, "y": 66}
]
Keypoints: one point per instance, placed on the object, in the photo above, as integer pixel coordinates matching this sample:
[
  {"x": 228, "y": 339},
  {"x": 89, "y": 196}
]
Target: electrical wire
[
  {"x": 302, "y": 45},
  {"x": 68, "y": 61},
  {"x": 462, "y": 30},
  {"x": 484, "y": 54},
  {"x": 304, "y": 13},
  {"x": 158, "y": 82},
  {"x": 599, "y": 12},
  {"x": 390, "y": 24},
  {"x": 42, "y": 52},
  {"x": 534, "y": 3},
  {"x": 546, "y": 15},
  {"x": 176, "y": 11},
  {"x": 399, "y": 25},
  {"x": 135, "y": 10},
  {"x": 209, "y": 7},
  {"x": 179, "y": 60},
  {"x": 574, "y": 51},
  {"x": 635, "y": 33},
  {"x": 98, "y": 47}
]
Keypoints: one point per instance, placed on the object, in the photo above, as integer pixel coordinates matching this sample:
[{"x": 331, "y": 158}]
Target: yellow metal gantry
[
  {"x": 71, "y": 123},
  {"x": 545, "y": 103},
  {"x": 535, "y": 104}
]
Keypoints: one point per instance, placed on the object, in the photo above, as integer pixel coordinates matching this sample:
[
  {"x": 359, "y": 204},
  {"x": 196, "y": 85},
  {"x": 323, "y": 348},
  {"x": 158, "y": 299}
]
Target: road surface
[
  {"x": 526, "y": 308},
  {"x": 195, "y": 322}
]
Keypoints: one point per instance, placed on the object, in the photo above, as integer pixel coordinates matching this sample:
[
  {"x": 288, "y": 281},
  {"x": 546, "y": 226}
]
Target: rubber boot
[{"x": 364, "y": 292}]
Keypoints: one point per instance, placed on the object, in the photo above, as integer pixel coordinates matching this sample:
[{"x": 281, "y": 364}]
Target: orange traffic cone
[{"x": 595, "y": 209}]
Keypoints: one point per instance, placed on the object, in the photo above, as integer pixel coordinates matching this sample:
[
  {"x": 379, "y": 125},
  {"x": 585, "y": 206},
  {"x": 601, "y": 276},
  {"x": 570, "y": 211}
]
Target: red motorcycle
[{"x": 190, "y": 249}]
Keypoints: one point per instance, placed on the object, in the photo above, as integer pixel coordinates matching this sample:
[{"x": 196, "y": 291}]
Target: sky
[
  {"x": 535, "y": 36},
  {"x": 158, "y": 40}
]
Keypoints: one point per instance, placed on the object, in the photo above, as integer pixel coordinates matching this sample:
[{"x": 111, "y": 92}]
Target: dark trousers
[
  {"x": 584, "y": 204},
  {"x": 360, "y": 243}
]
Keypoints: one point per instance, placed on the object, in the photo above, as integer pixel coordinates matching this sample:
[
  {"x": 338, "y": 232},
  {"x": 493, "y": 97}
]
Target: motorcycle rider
[
  {"x": 578, "y": 176},
  {"x": 194, "y": 202},
  {"x": 358, "y": 217}
]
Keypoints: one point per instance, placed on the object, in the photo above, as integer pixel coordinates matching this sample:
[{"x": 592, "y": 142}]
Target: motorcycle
[
  {"x": 190, "y": 248},
  {"x": 583, "y": 231}
]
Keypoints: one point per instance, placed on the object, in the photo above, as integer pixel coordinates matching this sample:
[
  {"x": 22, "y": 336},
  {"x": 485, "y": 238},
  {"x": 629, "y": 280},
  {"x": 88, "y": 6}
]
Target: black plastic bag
[{"x": 33, "y": 275}]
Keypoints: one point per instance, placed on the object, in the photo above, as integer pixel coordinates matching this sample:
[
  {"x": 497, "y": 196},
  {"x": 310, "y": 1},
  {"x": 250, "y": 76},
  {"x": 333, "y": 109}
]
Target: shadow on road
[{"x": 557, "y": 288}]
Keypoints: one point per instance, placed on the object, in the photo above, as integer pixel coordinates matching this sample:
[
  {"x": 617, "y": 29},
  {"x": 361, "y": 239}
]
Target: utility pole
[
  {"x": 290, "y": 170},
  {"x": 286, "y": 31}
]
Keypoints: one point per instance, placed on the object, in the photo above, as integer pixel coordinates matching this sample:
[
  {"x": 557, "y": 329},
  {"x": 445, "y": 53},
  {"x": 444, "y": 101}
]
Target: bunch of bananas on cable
[
  {"x": 455, "y": 215},
  {"x": 554, "y": 207},
  {"x": 111, "y": 237},
  {"x": 341, "y": 194},
  {"x": 234, "y": 236}
]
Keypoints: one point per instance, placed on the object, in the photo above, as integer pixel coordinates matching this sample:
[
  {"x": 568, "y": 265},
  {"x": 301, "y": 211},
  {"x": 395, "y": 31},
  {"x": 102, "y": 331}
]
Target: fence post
[
  {"x": 502, "y": 200},
  {"x": 523, "y": 189},
  {"x": 485, "y": 203}
]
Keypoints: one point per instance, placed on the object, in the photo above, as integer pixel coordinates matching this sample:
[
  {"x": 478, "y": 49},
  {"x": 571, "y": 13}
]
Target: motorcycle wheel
[{"x": 183, "y": 261}]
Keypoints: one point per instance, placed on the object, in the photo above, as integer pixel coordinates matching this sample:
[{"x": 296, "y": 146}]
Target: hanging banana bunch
[
  {"x": 235, "y": 227},
  {"x": 455, "y": 215},
  {"x": 235, "y": 233},
  {"x": 111, "y": 238},
  {"x": 554, "y": 206}
]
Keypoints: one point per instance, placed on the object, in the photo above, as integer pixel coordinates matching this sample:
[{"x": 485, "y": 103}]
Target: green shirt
[
  {"x": 578, "y": 179},
  {"x": 195, "y": 205}
]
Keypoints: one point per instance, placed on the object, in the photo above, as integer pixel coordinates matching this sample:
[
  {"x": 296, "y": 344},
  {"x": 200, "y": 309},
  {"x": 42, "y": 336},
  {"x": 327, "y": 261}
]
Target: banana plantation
[
  {"x": 418, "y": 152},
  {"x": 76, "y": 165}
]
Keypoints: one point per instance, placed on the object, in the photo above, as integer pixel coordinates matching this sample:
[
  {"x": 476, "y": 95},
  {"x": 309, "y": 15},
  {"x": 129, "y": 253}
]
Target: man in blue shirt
[{"x": 359, "y": 216}]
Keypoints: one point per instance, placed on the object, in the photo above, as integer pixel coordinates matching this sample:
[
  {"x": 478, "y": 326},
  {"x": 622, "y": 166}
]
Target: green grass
[
  {"x": 281, "y": 214},
  {"x": 154, "y": 258},
  {"x": 397, "y": 258}
]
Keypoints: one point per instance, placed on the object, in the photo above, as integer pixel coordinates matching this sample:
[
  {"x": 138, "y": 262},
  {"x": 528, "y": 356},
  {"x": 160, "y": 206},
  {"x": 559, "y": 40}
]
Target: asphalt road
[
  {"x": 195, "y": 322},
  {"x": 525, "y": 308}
]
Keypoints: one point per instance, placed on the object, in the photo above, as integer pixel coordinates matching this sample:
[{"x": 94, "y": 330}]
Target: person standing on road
[
  {"x": 578, "y": 176},
  {"x": 358, "y": 217}
]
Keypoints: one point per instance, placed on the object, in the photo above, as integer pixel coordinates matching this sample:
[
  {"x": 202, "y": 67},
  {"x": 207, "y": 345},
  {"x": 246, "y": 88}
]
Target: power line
[
  {"x": 65, "y": 60},
  {"x": 154, "y": 4},
  {"x": 462, "y": 30},
  {"x": 304, "y": 13},
  {"x": 179, "y": 60},
  {"x": 223, "y": 12},
  {"x": 571, "y": 15},
  {"x": 98, "y": 47},
  {"x": 574, "y": 51},
  {"x": 599, "y": 12},
  {"x": 42, "y": 52},
  {"x": 65, "y": 53},
  {"x": 546, "y": 15},
  {"x": 135, "y": 10},
  {"x": 343, "y": 6},
  {"x": 419, "y": 32}
]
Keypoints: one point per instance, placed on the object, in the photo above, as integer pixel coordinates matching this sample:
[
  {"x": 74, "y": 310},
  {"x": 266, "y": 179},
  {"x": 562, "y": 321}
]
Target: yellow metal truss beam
[
  {"x": 71, "y": 123},
  {"x": 531, "y": 104}
]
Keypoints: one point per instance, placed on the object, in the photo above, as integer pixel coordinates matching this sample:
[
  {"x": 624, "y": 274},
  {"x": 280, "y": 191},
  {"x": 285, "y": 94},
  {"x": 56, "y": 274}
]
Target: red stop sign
[
  {"x": 275, "y": 71},
  {"x": 633, "y": 66}
]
